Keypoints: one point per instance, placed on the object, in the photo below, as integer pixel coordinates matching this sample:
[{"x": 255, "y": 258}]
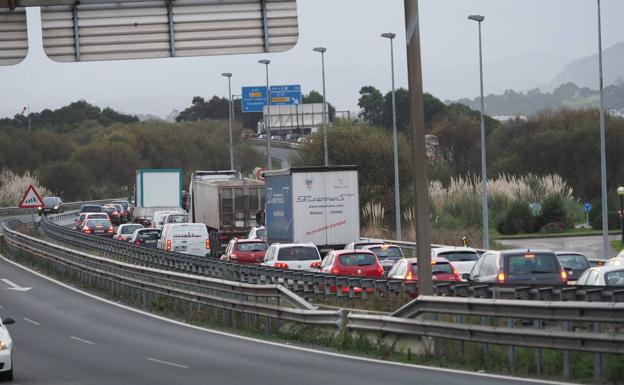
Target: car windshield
[
  {"x": 460, "y": 256},
  {"x": 298, "y": 253},
  {"x": 387, "y": 252},
  {"x": 98, "y": 222},
  {"x": 130, "y": 229},
  {"x": 573, "y": 261},
  {"x": 251, "y": 246},
  {"x": 357, "y": 259},
  {"x": 178, "y": 218},
  {"x": 532, "y": 264},
  {"x": 50, "y": 201},
  {"x": 615, "y": 278},
  {"x": 436, "y": 268}
]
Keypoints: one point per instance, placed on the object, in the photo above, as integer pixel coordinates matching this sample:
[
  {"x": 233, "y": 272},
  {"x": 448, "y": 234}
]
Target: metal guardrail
[
  {"x": 272, "y": 301},
  {"x": 568, "y": 326},
  {"x": 315, "y": 284},
  {"x": 11, "y": 211}
]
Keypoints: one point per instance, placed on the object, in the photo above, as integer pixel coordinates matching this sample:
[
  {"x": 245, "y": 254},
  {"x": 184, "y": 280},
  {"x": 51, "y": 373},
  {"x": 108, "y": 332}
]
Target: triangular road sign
[{"x": 31, "y": 199}]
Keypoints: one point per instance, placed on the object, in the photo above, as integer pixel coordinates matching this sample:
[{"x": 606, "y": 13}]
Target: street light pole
[
  {"x": 603, "y": 150},
  {"x": 231, "y": 117},
  {"x": 486, "y": 230},
  {"x": 419, "y": 160},
  {"x": 397, "y": 194},
  {"x": 322, "y": 51},
  {"x": 267, "y": 119},
  {"x": 620, "y": 192}
]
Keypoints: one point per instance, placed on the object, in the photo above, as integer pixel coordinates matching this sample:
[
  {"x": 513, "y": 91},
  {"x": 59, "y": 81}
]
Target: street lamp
[
  {"x": 603, "y": 150},
  {"x": 486, "y": 237},
  {"x": 620, "y": 192},
  {"x": 228, "y": 75},
  {"x": 267, "y": 119},
  {"x": 322, "y": 51},
  {"x": 397, "y": 197}
]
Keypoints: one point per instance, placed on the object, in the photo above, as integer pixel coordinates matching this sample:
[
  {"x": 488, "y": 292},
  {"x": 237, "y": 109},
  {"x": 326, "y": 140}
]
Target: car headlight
[
  {"x": 55, "y": 207},
  {"x": 3, "y": 345}
]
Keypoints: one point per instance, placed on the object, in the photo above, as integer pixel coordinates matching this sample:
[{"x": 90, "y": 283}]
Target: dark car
[
  {"x": 90, "y": 208},
  {"x": 388, "y": 255},
  {"x": 146, "y": 237},
  {"x": 574, "y": 264},
  {"x": 126, "y": 206},
  {"x": 51, "y": 205},
  {"x": 518, "y": 266},
  {"x": 113, "y": 212}
]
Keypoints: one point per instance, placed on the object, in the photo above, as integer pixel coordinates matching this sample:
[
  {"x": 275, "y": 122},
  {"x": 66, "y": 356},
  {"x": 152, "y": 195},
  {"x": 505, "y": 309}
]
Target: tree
[
  {"x": 459, "y": 138},
  {"x": 371, "y": 102},
  {"x": 402, "y": 111},
  {"x": 316, "y": 97},
  {"x": 68, "y": 179}
]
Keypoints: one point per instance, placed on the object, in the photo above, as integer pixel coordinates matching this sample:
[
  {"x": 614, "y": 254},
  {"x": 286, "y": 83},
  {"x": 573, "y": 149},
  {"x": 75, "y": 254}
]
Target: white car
[
  {"x": 6, "y": 350},
  {"x": 185, "y": 238},
  {"x": 157, "y": 220},
  {"x": 612, "y": 275},
  {"x": 257, "y": 232},
  {"x": 125, "y": 231},
  {"x": 295, "y": 256},
  {"x": 462, "y": 258}
]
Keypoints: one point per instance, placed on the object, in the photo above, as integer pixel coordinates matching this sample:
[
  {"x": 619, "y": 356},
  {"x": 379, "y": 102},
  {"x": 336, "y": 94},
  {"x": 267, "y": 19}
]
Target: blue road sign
[
  {"x": 587, "y": 207},
  {"x": 286, "y": 95},
  {"x": 254, "y": 99}
]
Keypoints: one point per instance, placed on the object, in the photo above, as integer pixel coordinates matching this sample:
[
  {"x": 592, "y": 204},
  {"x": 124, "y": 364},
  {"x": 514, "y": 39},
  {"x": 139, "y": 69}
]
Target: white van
[
  {"x": 157, "y": 221},
  {"x": 185, "y": 238},
  {"x": 175, "y": 218}
]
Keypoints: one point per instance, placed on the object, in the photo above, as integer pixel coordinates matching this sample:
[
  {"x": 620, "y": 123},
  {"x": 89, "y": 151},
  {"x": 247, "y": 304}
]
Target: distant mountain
[
  {"x": 512, "y": 103},
  {"x": 584, "y": 72}
]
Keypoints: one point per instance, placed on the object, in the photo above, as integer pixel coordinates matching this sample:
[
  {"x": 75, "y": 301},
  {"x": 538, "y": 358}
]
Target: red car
[
  {"x": 245, "y": 251},
  {"x": 441, "y": 268},
  {"x": 355, "y": 263}
]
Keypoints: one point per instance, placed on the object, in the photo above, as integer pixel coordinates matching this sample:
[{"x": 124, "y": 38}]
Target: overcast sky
[{"x": 526, "y": 43}]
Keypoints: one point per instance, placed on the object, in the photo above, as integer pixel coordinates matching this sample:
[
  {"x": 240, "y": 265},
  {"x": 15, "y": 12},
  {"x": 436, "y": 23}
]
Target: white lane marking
[
  {"x": 285, "y": 346},
  {"x": 32, "y": 322},
  {"x": 82, "y": 340},
  {"x": 14, "y": 286},
  {"x": 166, "y": 363}
]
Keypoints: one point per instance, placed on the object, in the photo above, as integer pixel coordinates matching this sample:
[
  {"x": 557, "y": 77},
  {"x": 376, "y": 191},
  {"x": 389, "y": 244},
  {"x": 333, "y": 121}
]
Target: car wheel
[{"x": 7, "y": 376}]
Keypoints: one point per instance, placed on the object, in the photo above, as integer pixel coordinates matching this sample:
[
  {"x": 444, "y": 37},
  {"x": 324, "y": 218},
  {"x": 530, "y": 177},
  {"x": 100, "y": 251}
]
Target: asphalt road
[
  {"x": 589, "y": 246},
  {"x": 283, "y": 154},
  {"x": 64, "y": 337}
]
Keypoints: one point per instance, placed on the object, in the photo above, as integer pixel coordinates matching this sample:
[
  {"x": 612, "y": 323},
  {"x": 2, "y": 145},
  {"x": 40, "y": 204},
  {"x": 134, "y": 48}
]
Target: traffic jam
[{"x": 291, "y": 221}]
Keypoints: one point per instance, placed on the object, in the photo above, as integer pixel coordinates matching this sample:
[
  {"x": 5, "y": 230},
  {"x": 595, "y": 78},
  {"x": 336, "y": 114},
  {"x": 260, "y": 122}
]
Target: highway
[{"x": 65, "y": 337}]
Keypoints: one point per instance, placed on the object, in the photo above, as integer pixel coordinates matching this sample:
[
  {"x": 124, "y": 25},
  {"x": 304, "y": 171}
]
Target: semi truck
[
  {"x": 226, "y": 203},
  {"x": 157, "y": 190},
  {"x": 313, "y": 204}
]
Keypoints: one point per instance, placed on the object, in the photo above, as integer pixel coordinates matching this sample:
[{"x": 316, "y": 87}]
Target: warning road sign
[{"x": 31, "y": 199}]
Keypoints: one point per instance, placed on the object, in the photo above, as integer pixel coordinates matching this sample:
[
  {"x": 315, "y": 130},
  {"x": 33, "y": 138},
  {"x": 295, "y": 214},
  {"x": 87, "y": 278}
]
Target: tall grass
[
  {"x": 13, "y": 187},
  {"x": 373, "y": 220}
]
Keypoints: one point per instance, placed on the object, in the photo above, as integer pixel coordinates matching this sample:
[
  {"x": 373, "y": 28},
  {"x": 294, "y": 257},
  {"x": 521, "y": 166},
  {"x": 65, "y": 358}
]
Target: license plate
[
  {"x": 150, "y": 241},
  {"x": 179, "y": 248}
]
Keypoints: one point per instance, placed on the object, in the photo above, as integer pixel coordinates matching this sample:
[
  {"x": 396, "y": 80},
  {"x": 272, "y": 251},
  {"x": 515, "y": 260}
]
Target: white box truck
[
  {"x": 320, "y": 205},
  {"x": 157, "y": 190}
]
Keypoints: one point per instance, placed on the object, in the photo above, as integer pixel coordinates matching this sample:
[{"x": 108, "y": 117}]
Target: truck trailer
[
  {"x": 313, "y": 204},
  {"x": 157, "y": 190}
]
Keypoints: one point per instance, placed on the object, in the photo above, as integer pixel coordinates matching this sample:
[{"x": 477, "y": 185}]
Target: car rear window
[
  {"x": 298, "y": 253},
  {"x": 387, "y": 252},
  {"x": 573, "y": 261},
  {"x": 98, "y": 222},
  {"x": 149, "y": 234},
  {"x": 251, "y": 246},
  {"x": 97, "y": 216},
  {"x": 532, "y": 264},
  {"x": 123, "y": 204},
  {"x": 91, "y": 209},
  {"x": 436, "y": 268},
  {"x": 460, "y": 256},
  {"x": 615, "y": 278},
  {"x": 357, "y": 259},
  {"x": 130, "y": 229}
]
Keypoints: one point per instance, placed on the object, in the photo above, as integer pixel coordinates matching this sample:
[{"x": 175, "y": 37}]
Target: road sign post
[
  {"x": 286, "y": 95},
  {"x": 587, "y": 207},
  {"x": 31, "y": 200}
]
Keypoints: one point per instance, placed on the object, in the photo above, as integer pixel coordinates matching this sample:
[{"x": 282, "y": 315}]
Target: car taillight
[
  {"x": 380, "y": 270},
  {"x": 409, "y": 276},
  {"x": 207, "y": 244},
  {"x": 168, "y": 244},
  {"x": 564, "y": 276},
  {"x": 336, "y": 271},
  {"x": 233, "y": 256},
  {"x": 111, "y": 230},
  {"x": 501, "y": 277},
  {"x": 86, "y": 230},
  {"x": 281, "y": 265},
  {"x": 315, "y": 265},
  {"x": 137, "y": 242},
  {"x": 457, "y": 275}
]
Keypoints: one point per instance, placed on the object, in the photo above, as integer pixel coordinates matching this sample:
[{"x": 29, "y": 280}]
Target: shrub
[
  {"x": 552, "y": 228},
  {"x": 553, "y": 211},
  {"x": 518, "y": 218},
  {"x": 614, "y": 221}
]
